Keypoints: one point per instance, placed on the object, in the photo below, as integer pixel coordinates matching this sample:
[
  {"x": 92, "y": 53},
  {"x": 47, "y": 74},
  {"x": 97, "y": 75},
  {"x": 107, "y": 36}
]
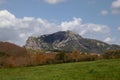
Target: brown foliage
[
  {"x": 10, "y": 49},
  {"x": 40, "y": 58},
  {"x": 14, "y": 56},
  {"x": 111, "y": 54}
]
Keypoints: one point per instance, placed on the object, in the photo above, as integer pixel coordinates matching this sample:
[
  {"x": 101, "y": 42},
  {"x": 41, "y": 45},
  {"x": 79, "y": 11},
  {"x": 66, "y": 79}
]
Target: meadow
[{"x": 91, "y": 70}]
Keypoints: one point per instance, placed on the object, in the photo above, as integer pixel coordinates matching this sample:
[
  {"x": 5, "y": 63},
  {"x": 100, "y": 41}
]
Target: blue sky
[{"x": 98, "y": 19}]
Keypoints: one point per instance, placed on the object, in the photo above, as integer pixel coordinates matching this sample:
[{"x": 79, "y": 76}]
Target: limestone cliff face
[
  {"x": 31, "y": 43},
  {"x": 68, "y": 41}
]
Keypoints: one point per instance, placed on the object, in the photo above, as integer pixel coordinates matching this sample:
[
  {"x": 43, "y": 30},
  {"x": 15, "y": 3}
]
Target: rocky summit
[{"x": 68, "y": 41}]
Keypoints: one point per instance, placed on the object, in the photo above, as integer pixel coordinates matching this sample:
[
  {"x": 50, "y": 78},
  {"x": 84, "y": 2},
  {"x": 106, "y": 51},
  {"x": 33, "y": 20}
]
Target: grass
[{"x": 94, "y": 70}]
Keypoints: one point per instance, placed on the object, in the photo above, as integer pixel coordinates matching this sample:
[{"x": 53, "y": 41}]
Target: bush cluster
[
  {"x": 111, "y": 54},
  {"x": 37, "y": 57}
]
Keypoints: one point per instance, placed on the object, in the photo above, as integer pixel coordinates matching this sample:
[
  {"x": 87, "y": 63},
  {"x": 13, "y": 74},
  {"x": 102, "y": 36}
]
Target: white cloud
[
  {"x": 76, "y": 25},
  {"x": 71, "y": 25},
  {"x": 104, "y": 12},
  {"x": 116, "y": 7},
  {"x": 54, "y": 1},
  {"x": 116, "y": 4},
  {"x": 17, "y": 30},
  {"x": 22, "y": 35},
  {"x": 108, "y": 39},
  {"x": 119, "y": 28},
  {"x": 6, "y": 18}
]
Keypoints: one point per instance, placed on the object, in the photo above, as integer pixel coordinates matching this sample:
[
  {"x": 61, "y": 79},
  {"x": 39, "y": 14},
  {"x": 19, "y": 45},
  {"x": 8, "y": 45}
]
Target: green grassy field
[{"x": 94, "y": 70}]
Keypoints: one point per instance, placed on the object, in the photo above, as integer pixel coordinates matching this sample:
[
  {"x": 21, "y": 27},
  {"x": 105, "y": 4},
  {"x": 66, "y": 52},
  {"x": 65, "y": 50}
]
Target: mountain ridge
[{"x": 68, "y": 41}]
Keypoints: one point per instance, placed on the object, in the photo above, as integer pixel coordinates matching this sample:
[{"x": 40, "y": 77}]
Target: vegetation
[
  {"x": 94, "y": 70},
  {"x": 9, "y": 49},
  {"x": 37, "y": 57},
  {"x": 14, "y": 56},
  {"x": 22, "y": 57},
  {"x": 112, "y": 54}
]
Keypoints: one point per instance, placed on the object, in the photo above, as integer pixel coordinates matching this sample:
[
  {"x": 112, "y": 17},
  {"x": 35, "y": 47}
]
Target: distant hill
[
  {"x": 68, "y": 41},
  {"x": 11, "y": 49},
  {"x": 12, "y": 55}
]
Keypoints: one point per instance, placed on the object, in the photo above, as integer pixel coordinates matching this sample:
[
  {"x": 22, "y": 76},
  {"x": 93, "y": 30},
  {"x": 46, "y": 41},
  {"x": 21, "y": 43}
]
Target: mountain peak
[
  {"x": 67, "y": 41},
  {"x": 69, "y": 34},
  {"x": 73, "y": 35},
  {"x": 60, "y": 36}
]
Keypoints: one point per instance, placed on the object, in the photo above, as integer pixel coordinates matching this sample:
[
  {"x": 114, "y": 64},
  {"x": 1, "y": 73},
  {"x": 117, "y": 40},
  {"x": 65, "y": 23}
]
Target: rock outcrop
[{"x": 68, "y": 41}]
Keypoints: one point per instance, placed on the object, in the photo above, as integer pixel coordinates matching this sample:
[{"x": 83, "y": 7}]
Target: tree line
[{"x": 37, "y": 57}]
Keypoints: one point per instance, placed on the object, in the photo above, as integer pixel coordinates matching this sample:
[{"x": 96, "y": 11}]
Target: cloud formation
[
  {"x": 119, "y": 28},
  {"x": 107, "y": 39},
  {"x": 17, "y": 30},
  {"x": 54, "y": 1},
  {"x": 116, "y": 4},
  {"x": 116, "y": 7},
  {"x": 104, "y": 12},
  {"x": 78, "y": 26}
]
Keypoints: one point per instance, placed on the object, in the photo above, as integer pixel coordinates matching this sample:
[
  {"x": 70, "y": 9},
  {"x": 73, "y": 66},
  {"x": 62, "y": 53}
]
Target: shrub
[
  {"x": 2, "y": 54},
  {"x": 61, "y": 57},
  {"x": 111, "y": 54}
]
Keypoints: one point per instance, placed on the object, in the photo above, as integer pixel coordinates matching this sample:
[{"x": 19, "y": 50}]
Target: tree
[
  {"x": 61, "y": 57},
  {"x": 111, "y": 54}
]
